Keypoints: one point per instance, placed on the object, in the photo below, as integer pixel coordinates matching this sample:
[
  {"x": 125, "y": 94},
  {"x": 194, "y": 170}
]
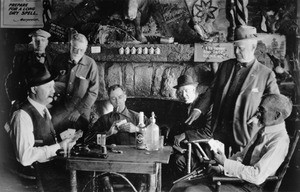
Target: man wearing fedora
[
  {"x": 33, "y": 136},
  {"x": 186, "y": 91},
  {"x": 23, "y": 62},
  {"x": 236, "y": 92}
]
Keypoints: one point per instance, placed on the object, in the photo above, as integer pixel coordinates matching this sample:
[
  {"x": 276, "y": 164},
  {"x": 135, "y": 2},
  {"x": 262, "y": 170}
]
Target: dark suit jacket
[
  {"x": 260, "y": 80},
  {"x": 23, "y": 63},
  {"x": 199, "y": 129}
]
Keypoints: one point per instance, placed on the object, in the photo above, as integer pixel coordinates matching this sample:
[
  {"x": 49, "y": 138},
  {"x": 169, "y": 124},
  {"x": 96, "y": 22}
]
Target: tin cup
[{"x": 101, "y": 139}]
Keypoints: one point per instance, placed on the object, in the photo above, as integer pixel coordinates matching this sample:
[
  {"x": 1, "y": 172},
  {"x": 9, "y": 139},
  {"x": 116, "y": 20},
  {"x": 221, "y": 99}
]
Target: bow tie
[
  {"x": 241, "y": 64},
  {"x": 39, "y": 55}
]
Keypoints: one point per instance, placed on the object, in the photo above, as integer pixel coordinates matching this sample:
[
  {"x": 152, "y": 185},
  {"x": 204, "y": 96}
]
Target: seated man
[
  {"x": 33, "y": 136},
  {"x": 260, "y": 158},
  {"x": 186, "y": 91},
  {"x": 123, "y": 134}
]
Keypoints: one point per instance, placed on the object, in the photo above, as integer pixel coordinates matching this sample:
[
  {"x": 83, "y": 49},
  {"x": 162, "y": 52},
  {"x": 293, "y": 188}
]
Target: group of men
[
  {"x": 37, "y": 119},
  {"x": 243, "y": 89},
  {"x": 247, "y": 114}
]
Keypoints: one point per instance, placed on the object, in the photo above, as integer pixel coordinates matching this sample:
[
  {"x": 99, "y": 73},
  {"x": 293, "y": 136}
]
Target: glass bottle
[
  {"x": 141, "y": 132},
  {"x": 152, "y": 133}
]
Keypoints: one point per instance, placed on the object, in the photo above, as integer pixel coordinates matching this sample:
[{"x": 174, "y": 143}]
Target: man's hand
[
  {"x": 67, "y": 145},
  {"x": 193, "y": 116},
  {"x": 220, "y": 157},
  {"x": 113, "y": 130},
  {"x": 74, "y": 116},
  {"x": 214, "y": 169},
  {"x": 178, "y": 139},
  {"x": 128, "y": 127}
]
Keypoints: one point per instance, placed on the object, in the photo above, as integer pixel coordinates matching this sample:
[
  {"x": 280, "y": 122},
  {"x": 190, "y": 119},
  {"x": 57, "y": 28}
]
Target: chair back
[{"x": 283, "y": 168}]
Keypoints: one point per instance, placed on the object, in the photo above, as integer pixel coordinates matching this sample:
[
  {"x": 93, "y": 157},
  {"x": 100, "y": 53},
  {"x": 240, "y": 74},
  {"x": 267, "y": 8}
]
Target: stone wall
[{"x": 154, "y": 75}]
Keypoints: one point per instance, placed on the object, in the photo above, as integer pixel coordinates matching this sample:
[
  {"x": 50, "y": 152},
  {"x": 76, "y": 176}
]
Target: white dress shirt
[
  {"x": 23, "y": 137},
  {"x": 266, "y": 157}
]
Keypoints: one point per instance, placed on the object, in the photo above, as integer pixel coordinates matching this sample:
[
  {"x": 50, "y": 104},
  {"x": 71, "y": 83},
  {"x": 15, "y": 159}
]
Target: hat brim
[
  {"x": 247, "y": 39},
  {"x": 38, "y": 83},
  {"x": 184, "y": 84}
]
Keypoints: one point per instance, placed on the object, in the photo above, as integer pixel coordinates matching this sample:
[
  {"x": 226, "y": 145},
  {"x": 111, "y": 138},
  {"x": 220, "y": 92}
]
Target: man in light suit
[{"x": 236, "y": 92}]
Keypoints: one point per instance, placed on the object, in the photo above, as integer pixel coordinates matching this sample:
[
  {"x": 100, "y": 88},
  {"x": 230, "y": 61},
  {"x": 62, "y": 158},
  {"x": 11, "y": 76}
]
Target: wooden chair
[{"x": 272, "y": 182}]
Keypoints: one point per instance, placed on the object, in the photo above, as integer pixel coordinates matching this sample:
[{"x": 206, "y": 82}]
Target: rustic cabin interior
[{"x": 145, "y": 46}]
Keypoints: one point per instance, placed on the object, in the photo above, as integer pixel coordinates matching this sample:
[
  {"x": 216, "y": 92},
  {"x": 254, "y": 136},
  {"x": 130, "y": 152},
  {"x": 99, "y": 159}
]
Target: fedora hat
[
  {"x": 185, "y": 80},
  {"x": 38, "y": 76},
  {"x": 245, "y": 32},
  {"x": 41, "y": 33}
]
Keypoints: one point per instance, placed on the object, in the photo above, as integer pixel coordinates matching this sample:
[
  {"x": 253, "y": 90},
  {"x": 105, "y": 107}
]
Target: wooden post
[{"x": 297, "y": 56}]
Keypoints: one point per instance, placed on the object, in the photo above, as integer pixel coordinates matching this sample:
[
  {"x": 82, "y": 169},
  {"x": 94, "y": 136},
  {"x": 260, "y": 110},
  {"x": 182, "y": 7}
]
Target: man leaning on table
[
  {"x": 260, "y": 158},
  {"x": 76, "y": 86},
  {"x": 32, "y": 134}
]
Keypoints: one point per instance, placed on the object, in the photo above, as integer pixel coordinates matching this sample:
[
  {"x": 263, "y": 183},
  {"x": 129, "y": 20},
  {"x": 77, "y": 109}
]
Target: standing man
[
  {"x": 77, "y": 86},
  {"x": 259, "y": 159},
  {"x": 23, "y": 63},
  {"x": 186, "y": 90},
  {"x": 33, "y": 136},
  {"x": 236, "y": 92}
]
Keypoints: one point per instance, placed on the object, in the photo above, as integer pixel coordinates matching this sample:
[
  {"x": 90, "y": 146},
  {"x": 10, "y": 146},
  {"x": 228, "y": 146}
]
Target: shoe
[{"x": 107, "y": 187}]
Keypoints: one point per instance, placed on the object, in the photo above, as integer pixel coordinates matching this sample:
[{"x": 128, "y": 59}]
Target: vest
[{"x": 43, "y": 130}]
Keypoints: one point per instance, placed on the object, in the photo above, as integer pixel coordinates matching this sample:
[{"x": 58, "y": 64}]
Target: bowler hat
[
  {"x": 185, "y": 80},
  {"x": 245, "y": 32},
  {"x": 38, "y": 76},
  {"x": 41, "y": 33}
]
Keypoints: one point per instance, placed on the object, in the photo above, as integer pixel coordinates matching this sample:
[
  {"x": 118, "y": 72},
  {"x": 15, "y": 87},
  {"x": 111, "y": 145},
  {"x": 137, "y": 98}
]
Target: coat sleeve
[
  {"x": 205, "y": 100},
  {"x": 272, "y": 86},
  {"x": 203, "y": 131},
  {"x": 92, "y": 91}
]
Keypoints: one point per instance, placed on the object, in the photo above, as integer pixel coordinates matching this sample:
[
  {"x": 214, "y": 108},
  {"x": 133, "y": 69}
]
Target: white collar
[
  {"x": 275, "y": 128},
  {"x": 39, "y": 107}
]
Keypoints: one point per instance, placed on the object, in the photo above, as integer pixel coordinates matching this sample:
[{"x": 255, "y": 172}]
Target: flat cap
[{"x": 41, "y": 33}]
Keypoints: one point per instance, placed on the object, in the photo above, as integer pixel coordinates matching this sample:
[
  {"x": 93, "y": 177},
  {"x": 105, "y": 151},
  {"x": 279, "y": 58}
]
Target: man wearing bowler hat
[
  {"x": 236, "y": 92},
  {"x": 33, "y": 136},
  {"x": 186, "y": 91},
  {"x": 24, "y": 62}
]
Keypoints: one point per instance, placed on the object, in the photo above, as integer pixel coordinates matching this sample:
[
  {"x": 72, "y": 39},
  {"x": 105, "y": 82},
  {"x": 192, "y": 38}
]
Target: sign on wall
[
  {"x": 213, "y": 52},
  {"x": 21, "y": 13}
]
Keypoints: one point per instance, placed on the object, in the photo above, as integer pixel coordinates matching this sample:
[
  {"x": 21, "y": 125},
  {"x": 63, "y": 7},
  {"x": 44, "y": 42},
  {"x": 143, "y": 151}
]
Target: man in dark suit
[
  {"x": 15, "y": 83},
  {"x": 186, "y": 91},
  {"x": 236, "y": 92}
]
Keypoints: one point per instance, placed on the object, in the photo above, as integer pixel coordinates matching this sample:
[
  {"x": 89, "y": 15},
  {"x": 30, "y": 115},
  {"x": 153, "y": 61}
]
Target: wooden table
[{"x": 131, "y": 160}]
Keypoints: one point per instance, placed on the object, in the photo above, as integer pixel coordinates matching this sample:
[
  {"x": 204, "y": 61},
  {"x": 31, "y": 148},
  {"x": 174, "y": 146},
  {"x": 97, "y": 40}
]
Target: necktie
[
  {"x": 48, "y": 121},
  {"x": 247, "y": 157}
]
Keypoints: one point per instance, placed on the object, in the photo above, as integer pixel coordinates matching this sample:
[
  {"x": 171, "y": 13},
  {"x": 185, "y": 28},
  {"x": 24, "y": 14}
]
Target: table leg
[
  {"x": 158, "y": 179},
  {"x": 73, "y": 181},
  {"x": 152, "y": 179},
  {"x": 94, "y": 182},
  {"x": 155, "y": 179}
]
